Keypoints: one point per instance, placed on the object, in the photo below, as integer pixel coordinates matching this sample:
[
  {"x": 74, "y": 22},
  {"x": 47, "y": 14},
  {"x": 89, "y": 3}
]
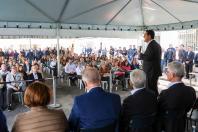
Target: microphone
[{"x": 140, "y": 49}]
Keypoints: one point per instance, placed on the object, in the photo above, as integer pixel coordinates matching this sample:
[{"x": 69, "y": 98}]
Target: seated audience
[
  {"x": 70, "y": 70},
  {"x": 104, "y": 72},
  {"x": 24, "y": 76},
  {"x": 126, "y": 66},
  {"x": 96, "y": 108},
  {"x": 138, "y": 106},
  {"x": 94, "y": 64},
  {"x": 4, "y": 71},
  {"x": 118, "y": 74},
  {"x": 39, "y": 118},
  {"x": 3, "y": 123},
  {"x": 2, "y": 93},
  {"x": 176, "y": 101},
  {"x": 53, "y": 66},
  {"x": 27, "y": 66},
  {"x": 3, "y": 74},
  {"x": 23, "y": 73},
  {"x": 135, "y": 64},
  {"x": 13, "y": 86},
  {"x": 17, "y": 66},
  {"x": 35, "y": 75},
  {"x": 79, "y": 70}
]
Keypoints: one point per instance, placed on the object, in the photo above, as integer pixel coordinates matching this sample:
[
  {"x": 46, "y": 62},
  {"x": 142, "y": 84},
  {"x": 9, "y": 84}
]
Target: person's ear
[
  {"x": 172, "y": 75},
  {"x": 85, "y": 84}
]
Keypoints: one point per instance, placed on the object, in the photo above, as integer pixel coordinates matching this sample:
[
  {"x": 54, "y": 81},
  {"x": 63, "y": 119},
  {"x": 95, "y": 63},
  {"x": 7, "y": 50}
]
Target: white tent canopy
[{"x": 113, "y": 15}]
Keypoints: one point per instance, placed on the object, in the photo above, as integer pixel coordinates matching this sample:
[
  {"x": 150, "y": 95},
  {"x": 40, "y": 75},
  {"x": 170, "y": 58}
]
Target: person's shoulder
[
  {"x": 21, "y": 116},
  {"x": 190, "y": 88},
  {"x": 113, "y": 95},
  {"x": 39, "y": 73},
  {"x": 1, "y": 115},
  {"x": 129, "y": 98},
  {"x": 8, "y": 75},
  {"x": 31, "y": 74},
  {"x": 58, "y": 112},
  {"x": 155, "y": 43},
  {"x": 79, "y": 97},
  {"x": 19, "y": 74},
  {"x": 164, "y": 92}
]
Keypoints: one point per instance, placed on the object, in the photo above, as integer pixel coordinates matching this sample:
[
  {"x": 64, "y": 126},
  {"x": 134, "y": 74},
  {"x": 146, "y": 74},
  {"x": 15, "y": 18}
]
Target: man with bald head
[{"x": 96, "y": 108}]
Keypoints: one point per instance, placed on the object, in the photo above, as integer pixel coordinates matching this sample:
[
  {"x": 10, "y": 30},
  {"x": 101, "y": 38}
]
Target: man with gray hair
[
  {"x": 96, "y": 108},
  {"x": 176, "y": 101},
  {"x": 141, "y": 103}
]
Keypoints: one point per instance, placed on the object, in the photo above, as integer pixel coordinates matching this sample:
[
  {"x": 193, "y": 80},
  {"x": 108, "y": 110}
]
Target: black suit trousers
[
  {"x": 151, "y": 83},
  {"x": 189, "y": 68}
]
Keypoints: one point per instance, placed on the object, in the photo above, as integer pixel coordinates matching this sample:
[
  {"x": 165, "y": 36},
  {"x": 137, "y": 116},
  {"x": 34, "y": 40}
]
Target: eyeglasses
[{"x": 166, "y": 71}]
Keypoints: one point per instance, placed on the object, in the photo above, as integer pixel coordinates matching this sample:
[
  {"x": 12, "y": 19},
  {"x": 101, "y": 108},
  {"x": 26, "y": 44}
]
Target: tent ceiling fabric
[{"x": 99, "y": 12}]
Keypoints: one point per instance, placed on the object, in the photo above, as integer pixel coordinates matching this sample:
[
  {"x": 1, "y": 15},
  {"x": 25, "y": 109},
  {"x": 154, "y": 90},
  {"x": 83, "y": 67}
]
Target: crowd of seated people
[
  {"x": 73, "y": 67},
  {"x": 99, "y": 110},
  {"x": 15, "y": 76}
]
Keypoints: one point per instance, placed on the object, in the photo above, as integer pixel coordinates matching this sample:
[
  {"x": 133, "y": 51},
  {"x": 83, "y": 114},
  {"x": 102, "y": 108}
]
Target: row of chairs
[{"x": 105, "y": 84}]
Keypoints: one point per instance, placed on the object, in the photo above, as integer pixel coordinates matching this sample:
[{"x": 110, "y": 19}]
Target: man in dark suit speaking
[{"x": 151, "y": 61}]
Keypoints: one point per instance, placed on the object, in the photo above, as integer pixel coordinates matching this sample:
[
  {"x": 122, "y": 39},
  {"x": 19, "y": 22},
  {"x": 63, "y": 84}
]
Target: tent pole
[
  {"x": 30, "y": 43},
  {"x": 58, "y": 49},
  {"x": 56, "y": 105}
]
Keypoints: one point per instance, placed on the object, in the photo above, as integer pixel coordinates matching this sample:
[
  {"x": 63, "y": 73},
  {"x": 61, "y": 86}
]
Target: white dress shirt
[
  {"x": 28, "y": 68},
  {"x": 177, "y": 55},
  {"x": 173, "y": 83},
  {"x": 135, "y": 90},
  {"x": 35, "y": 76},
  {"x": 79, "y": 70},
  {"x": 69, "y": 68}
]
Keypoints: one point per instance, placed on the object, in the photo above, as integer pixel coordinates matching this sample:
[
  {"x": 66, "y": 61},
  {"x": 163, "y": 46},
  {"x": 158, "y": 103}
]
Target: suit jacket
[
  {"x": 182, "y": 55},
  {"x": 3, "y": 124},
  {"x": 170, "y": 54},
  {"x": 95, "y": 109},
  {"x": 196, "y": 59},
  {"x": 142, "y": 102},
  {"x": 3, "y": 75},
  {"x": 10, "y": 78},
  {"x": 31, "y": 77},
  {"x": 26, "y": 69},
  {"x": 152, "y": 59},
  {"x": 190, "y": 57},
  {"x": 177, "y": 98},
  {"x": 41, "y": 119}
]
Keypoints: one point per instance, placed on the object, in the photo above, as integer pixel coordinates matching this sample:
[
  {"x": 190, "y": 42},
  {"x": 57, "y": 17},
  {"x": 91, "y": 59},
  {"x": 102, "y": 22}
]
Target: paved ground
[{"x": 65, "y": 96}]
